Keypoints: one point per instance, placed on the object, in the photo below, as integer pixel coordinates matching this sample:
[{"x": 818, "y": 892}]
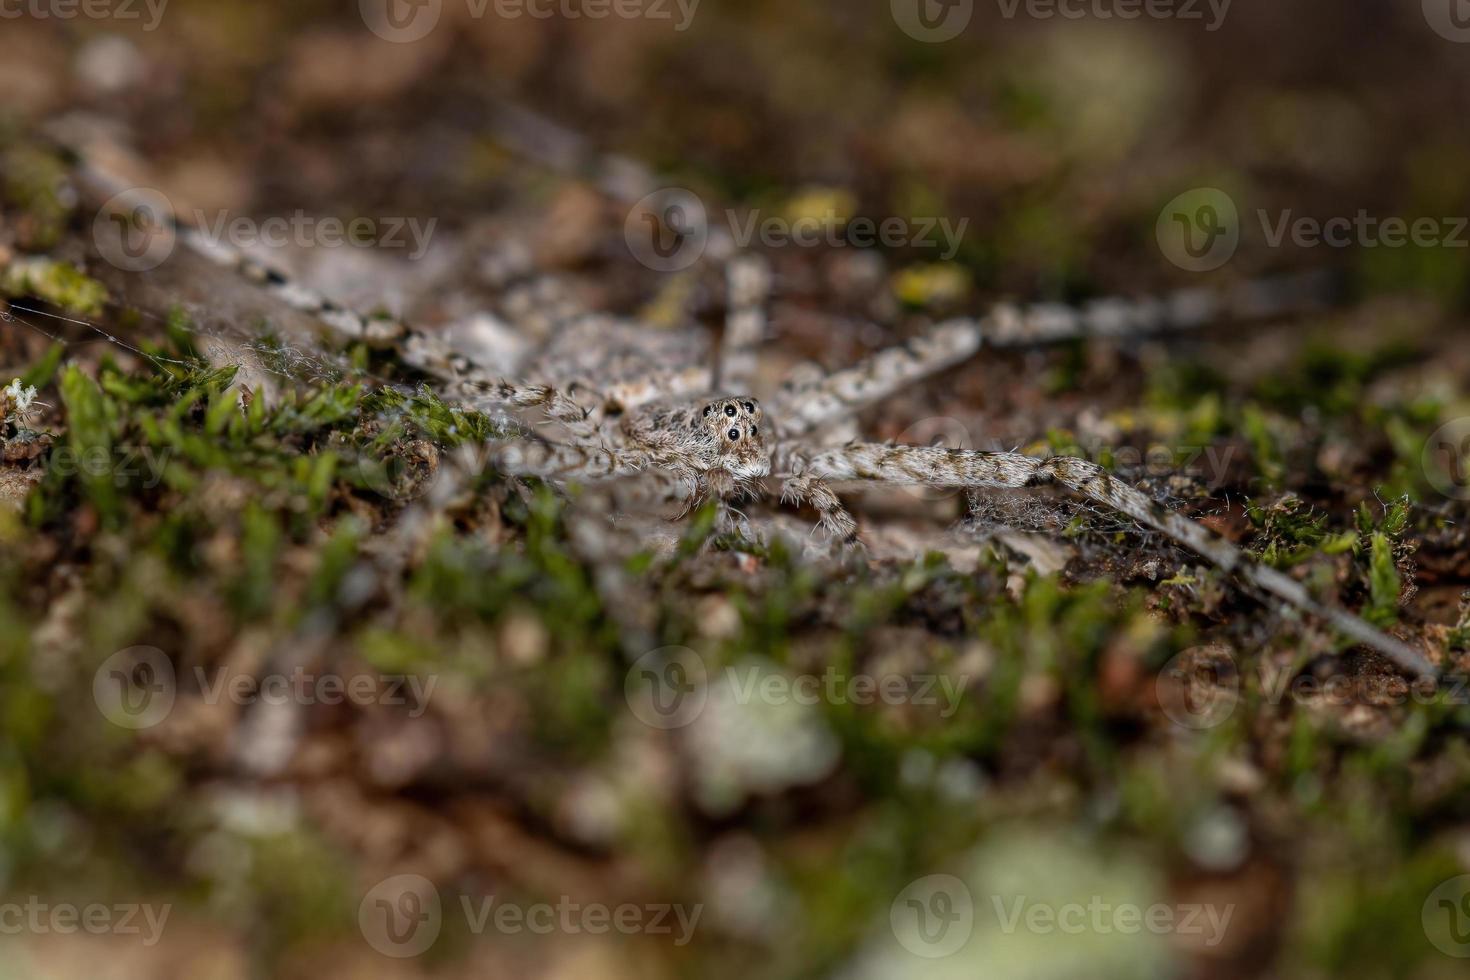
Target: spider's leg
[
  {"x": 565, "y": 462},
  {"x": 427, "y": 351},
  {"x": 718, "y": 485},
  {"x": 815, "y": 403},
  {"x": 493, "y": 393},
  {"x": 463, "y": 379},
  {"x": 963, "y": 468},
  {"x": 672, "y": 385},
  {"x": 748, "y": 286},
  {"x": 834, "y": 518},
  {"x": 801, "y": 378},
  {"x": 810, "y": 406},
  {"x": 850, "y": 389}
]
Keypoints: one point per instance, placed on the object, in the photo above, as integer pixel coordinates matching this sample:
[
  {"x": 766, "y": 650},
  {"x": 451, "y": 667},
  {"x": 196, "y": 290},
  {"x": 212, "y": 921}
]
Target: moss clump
[
  {"x": 59, "y": 283},
  {"x": 32, "y": 182},
  {"x": 1459, "y": 638},
  {"x": 1292, "y": 533}
]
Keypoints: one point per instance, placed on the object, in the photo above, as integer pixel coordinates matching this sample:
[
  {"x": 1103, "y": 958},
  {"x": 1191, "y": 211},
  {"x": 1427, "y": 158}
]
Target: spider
[
  {"x": 727, "y": 443},
  {"x": 631, "y": 399}
]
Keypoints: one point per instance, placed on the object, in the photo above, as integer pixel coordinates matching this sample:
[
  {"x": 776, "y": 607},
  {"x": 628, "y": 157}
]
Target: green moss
[
  {"x": 1292, "y": 533},
  {"x": 300, "y": 888},
  {"x": 1384, "y": 553},
  {"x": 1459, "y": 638},
  {"x": 91, "y": 422},
  {"x": 253, "y": 589},
  {"x": 1362, "y": 918},
  {"x": 429, "y": 416},
  {"x": 1260, "y": 431},
  {"x": 335, "y": 559},
  {"x": 1330, "y": 378},
  {"x": 1383, "y": 582},
  {"x": 31, "y": 180},
  {"x": 43, "y": 372},
  {"x": 59, "y": 283},
  {"x": 1393, "y": 523},
  {"x": 1437, "y": 273}
]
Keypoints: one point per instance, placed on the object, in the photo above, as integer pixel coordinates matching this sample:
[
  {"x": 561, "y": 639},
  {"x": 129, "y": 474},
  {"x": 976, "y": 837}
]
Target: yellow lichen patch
[
  {"x": 830, "y": 206},
  {"x": 59, "y": 283},
  {"x": 934, "y": 284}
]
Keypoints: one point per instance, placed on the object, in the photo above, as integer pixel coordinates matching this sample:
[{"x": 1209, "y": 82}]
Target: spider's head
[{"x": 735, "y": 427}]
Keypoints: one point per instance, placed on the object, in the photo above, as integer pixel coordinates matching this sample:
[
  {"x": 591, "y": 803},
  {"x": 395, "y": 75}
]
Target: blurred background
[{"x": 1066, "y": 140}]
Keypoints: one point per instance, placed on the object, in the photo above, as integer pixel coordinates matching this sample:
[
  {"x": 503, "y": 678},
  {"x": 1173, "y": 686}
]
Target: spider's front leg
[
  {"x": 487, "y": 393},
  {"x": 832, "y": 516},
  {"x": 925, "y": 466},
  {"x": 809, "y": 404},
  {"x": 789, "y": 462},
  {"x": 748, "y": 286},
  {"x": 721, "y": 487}
]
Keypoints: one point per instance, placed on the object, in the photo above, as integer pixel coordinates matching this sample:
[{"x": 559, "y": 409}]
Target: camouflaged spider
[
  {"x": 728, "y": 446},
  {"x": 631, "y": 400}
]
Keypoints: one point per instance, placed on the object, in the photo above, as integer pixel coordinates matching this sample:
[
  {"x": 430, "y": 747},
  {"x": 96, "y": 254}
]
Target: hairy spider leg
[
  {"x": 747, "y": 287},
  {"x": 813, "y": 403},
  {"x": 963, "y": 468}
]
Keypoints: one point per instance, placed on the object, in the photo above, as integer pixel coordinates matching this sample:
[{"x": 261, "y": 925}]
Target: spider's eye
[
  {"x": 750, "y": 407},
  {"x": 707, "y": 410},
  {"x": 734, "y": 434},
  {"x": 754, "y": 431},
  {"x": 730, "y": 410}
]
